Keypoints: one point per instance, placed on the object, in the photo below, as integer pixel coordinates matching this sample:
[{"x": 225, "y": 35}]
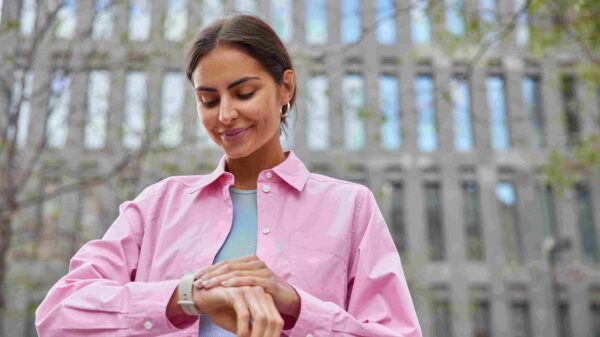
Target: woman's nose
[{"x": 227, "y": 112}]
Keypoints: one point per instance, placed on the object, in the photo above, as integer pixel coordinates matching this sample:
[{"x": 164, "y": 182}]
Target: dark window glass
[
  {"x": 548, "y": 211},
  {"x": 472, "y": 220},
  {"x": 532, "y": 100},
  {"x": 521, "y": 319},
  {"x": 571, "y": 109},
  {"x": 586, "y": 223},
  {"x": 563, "y": 320},
  {"x": 482, "y": 318},
  {"x": 505, "y": 192},
  {"x": 437, "y": 249},
  {"x": 398, "y": 216}
]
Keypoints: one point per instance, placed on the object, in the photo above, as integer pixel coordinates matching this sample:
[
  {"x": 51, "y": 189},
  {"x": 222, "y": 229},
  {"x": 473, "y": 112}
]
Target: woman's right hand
[{"x": 234, "y": 308}]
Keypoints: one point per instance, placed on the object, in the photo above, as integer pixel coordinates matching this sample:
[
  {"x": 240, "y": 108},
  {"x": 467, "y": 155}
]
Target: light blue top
[{"x": 241, "y": 241}]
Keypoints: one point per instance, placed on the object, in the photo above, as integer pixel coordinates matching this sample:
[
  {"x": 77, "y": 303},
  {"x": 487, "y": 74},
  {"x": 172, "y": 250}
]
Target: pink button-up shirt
[{"x": 325, "y": 236}]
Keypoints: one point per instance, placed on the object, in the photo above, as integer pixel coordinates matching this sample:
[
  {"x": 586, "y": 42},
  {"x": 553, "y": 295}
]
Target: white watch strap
[{"x": 185, "y": 295}]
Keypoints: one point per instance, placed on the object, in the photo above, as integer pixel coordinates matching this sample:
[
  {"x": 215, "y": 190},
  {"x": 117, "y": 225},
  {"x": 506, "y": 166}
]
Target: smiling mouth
[{"x": 235, "y": 132}]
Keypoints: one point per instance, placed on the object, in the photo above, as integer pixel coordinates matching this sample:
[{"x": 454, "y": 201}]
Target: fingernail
[
  {"x": 225, "y": 283},
  {"x": 206, "y": 283},
  {"x": 197, "y": 283}
]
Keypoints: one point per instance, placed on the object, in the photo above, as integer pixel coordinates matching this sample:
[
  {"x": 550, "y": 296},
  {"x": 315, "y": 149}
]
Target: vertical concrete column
[
  {"x": 494, "y": 249},
  {"x": 553, "y": 105},
  {"x": 518, "y": 121}
]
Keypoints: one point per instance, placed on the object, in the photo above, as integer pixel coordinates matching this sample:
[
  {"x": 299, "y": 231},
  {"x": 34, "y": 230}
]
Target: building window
[
  {"x": 548, "y": 210},
  {"x": 316, "y": 21},
  {"x": 455, "y": 21},
  {"x": 66, "y": 19},
  {"x": 27, "y": 17},
  {"x": 246, "y": 6},
  {"x": 441, "y": 312},
  {"x": 498, "y": 114},
  {"x": 104, "y": 18},
  {"x": 471, "y": 208},
  {"x": 507, "y": 199},
  {"x": 171, "y": 125},
  {"x": 532, "y": 99},
  {"x": 482, "y": 318},
  {"x": 351, "y": 26},
  {"x": 58, "y": 110},
  {"x": 211, "y": 11},
  {"x": 586, "y": 222},
  {"x": 594, "y": 295},
  {"x": 139, "y": 20},
  {"x": 317, "y": 107},
  {"x": 389, "y": 106},
  {"x": 353, "y": 89},
  {"x": 420, "y": 26},
  {"x": 521, "y": 318},
  {"x": 281, "y": 12},
  {"x": 21, "y": 101},
  {"x": 386, "y": 22},
  {"x": 564, "y": 322},
  {"x": 427, "y": 121},
  {"x": 488, "y": 13},
  {"x": 175, "y": 23},
  {"x": 522, "y": 28},
  {"x": 97, "y": 115},
  {"x": 399, "y": 232},
  {"x": 461, "y": 105},
  {"x": 435, "y": 232},
  {"x": 571, "y": 108},
  {"x": 135, "y": 109}
]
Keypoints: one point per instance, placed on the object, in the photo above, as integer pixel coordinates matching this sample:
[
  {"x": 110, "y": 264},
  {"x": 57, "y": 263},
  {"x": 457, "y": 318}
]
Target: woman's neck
[{"x": 245, "y": 170}]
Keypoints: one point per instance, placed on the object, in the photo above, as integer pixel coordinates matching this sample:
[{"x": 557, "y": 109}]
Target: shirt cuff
[
  {"x": 147, "y": 312},
  {"x": 315, "y": 318}
]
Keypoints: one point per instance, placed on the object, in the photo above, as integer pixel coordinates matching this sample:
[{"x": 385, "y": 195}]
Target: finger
[
  {"x": 259, "y": 315},
  {"x": 228, "y": 268},
  {"x": 278, "y": 320},
  {"x": 219, "y": 264},
  {"x": 271, "y": 317},
  {"x": 250, "y": 281},
  {"x": 243, "y": 316},
  {"x": 219, "y": 279}
]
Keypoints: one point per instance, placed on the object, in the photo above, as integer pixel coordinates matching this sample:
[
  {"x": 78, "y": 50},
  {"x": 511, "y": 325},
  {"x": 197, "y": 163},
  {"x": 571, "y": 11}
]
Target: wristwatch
[{"x": 185, "y": 295}]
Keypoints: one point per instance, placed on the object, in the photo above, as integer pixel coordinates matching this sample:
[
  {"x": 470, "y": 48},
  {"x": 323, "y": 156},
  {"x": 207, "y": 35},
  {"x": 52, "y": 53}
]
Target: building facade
[{"x": 452, "y": 146}]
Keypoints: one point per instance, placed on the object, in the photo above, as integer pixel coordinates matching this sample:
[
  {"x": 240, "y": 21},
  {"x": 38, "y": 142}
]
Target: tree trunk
[{"x": 5, "y": 237}]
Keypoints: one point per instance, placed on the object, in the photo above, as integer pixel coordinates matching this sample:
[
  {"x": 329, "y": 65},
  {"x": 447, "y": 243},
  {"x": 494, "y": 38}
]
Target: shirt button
[
  {"x": 266, "y": 188},
  {"x": 269, "y": 175},
  {"x": 266, "y": 230},
  {"x": 148, "y": 325}
]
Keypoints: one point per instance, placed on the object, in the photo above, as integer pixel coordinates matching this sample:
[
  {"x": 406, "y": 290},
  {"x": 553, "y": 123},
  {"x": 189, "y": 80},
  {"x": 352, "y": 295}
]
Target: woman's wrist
[{"x": 175, "y": 313}]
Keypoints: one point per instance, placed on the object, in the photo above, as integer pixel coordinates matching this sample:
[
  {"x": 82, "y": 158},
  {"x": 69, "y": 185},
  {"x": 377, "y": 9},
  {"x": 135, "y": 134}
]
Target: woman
[{"x": 259, "y": 247}]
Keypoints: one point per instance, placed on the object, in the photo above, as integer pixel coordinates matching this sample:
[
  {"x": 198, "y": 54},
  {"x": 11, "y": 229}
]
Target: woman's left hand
[{"x": 251, "y": 271}]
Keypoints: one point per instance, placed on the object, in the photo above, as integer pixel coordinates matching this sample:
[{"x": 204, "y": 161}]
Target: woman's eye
[
  {"x": 246, "y": 96},
  {"x": 210, "y": 104}
]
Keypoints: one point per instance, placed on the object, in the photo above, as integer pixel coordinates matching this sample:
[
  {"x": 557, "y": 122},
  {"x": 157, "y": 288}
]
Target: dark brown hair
[{"x": 251, "y": 35}]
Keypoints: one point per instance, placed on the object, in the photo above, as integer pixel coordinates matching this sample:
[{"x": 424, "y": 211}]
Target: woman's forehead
[{"x": 223, "y": 65}]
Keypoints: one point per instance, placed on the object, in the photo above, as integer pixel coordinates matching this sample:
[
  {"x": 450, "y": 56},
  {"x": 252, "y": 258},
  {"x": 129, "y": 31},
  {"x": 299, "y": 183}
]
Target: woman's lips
[{"x": 235, "y": 136}]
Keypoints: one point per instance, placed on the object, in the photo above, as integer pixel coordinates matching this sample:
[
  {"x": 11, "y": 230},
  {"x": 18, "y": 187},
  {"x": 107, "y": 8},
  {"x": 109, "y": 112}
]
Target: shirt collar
[{"x": 291, "y": 170}]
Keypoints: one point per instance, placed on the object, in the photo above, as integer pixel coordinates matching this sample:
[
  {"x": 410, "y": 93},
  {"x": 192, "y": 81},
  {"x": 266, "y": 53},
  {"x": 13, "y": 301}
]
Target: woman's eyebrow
[{"x": 233, "y": 84}]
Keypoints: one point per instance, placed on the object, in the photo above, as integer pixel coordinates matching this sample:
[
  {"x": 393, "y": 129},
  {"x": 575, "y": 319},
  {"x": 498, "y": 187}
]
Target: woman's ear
[{"x": 288, "y": 86}]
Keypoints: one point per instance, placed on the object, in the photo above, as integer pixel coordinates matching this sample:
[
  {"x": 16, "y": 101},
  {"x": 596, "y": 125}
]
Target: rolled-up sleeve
[
  {"x": 378, "y": 301},
  {"x": 97, "y": 297}
]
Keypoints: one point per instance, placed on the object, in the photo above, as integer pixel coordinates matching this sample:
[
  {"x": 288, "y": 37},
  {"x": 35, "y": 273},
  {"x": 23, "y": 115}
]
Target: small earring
[{"x": 287, "y": 110}]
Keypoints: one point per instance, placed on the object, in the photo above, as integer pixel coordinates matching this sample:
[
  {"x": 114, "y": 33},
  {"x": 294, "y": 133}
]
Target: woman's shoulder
[
  {"x": 171, "y": 184},
  {"x": 321, "y": 181}
]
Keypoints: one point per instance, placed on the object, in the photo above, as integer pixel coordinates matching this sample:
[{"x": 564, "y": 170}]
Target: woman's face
[{"x": 239, "y": 102}]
